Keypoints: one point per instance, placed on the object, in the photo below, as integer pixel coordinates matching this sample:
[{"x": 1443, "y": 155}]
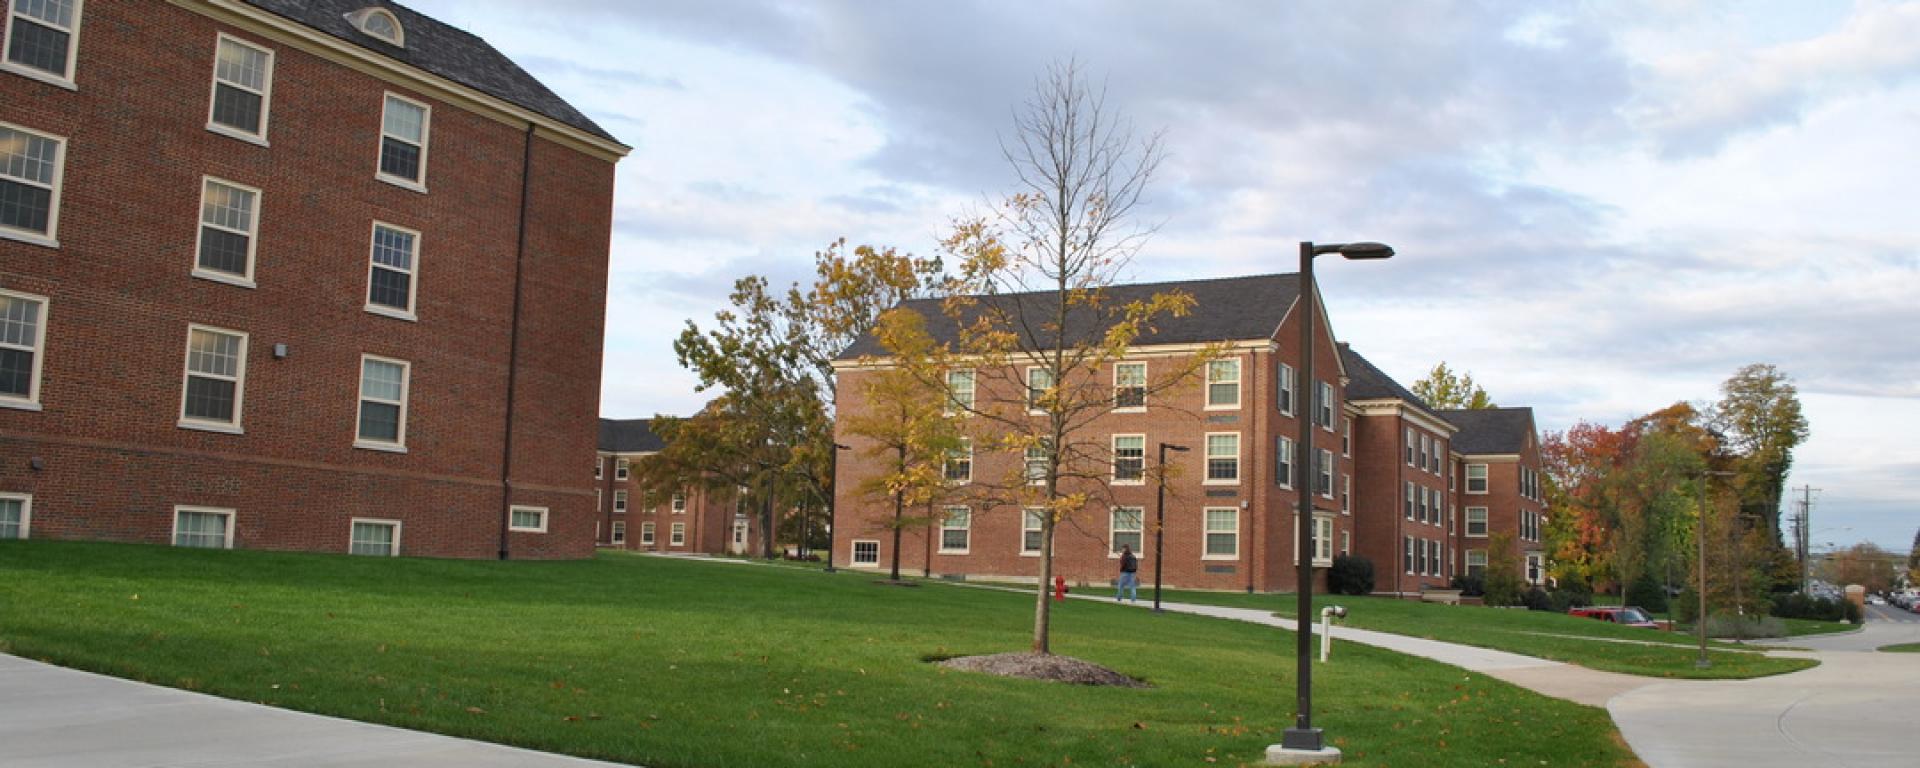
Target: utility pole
[{"x": 1805, "y": 537}]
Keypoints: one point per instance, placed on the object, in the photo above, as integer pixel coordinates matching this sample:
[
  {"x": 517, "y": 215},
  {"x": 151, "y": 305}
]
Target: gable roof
[
  {"x": 1365, "y": 381},
  {"x": 438, "y": 48},
  {"x": 1224, "y": 309},
  {"x": 629, "y": 436},
  {"x": 1491, "y": 430}
]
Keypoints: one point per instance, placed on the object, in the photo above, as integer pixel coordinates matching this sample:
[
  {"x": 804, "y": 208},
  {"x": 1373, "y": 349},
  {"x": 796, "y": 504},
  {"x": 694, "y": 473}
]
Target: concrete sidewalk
[{"x": 53, "y": 717}]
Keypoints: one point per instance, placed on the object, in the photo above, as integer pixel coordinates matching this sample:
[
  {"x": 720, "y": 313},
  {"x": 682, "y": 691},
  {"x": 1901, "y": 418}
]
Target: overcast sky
[{"x": 1600, "y": 208}]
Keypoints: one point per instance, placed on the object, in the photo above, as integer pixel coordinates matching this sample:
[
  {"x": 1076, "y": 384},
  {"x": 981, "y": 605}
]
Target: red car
[{"x": 1629, "y": 616}]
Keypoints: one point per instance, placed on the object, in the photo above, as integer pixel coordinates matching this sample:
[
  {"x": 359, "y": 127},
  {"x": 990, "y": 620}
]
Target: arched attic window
[{"x": 379, "y": 23}]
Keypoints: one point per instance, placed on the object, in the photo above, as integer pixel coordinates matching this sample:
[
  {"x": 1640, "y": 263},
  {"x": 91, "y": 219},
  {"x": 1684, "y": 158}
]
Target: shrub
[
  {"x": 1578, "y": 592},
  {"x": 1686, "y": 607},
  {"x": 1350, "y": 575},
  {"x": 1536, "y": 599},
  {"x": 1853, "y": 612},
  {"x": 1803, "y": 606},
  {"x": 1470, "y": 585},
  {"x": 1647, "y": 593}
]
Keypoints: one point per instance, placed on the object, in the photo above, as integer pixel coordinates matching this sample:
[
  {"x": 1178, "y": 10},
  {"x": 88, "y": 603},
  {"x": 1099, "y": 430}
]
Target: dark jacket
[{"x": 1128, "y": 564}]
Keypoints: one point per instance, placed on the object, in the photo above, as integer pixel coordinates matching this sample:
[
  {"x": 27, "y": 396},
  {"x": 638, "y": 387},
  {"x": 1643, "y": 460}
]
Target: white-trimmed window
[
  {"x": 42, "y": 39},
  {"x": 1323, "y": 405},
  {"x": 622, "y": 469},
  {"x": 242, "y": 89},
  {"x": 1346, "y": 542},
  {"x": 1130, "y": 387},
  {"x": 1323, "y": 475},
  {"x": 677, "y": 535},
  {"x": 404, "y": 129},
  {"x": 1410, "y": 446},
  {"x": 646, "y": 533},
  {"x": 229, "y": 219},
  {"x": 31, "y": 166},
  {"x": 1035, "y": 465},
  {"x": 619, "y": 501},
  {"x": 1426, "y": 450},
  {"x": 1283, "y": 462},
  {"x": 960, "y": 387},
  {"x": 958, "y": 468},
  {"x": 866, "y": 552},
  {"x": 1476, "y": 478},
  {"x": 215, "y": 379},
  {"x": 1346, "y": 436},
  {"x": 679, "y": 503},
  {"x": 956, "y": 530},
  {"x": 1420, "y": 552},
  {"x": 1535, "y": 571},
  {"x": 1222, "y": 534},
  {"x": 1420, "y": 512},
  {"x": 383, "y": 403},
  {"x": 1439, "y": 449},
  {"x": 202, "y": 527},
  {"x": 1223, "y": 458},
  {"x": 1476, "y": 562},
  {"x": 379, "y": 538},
  {"x": 23, "y": 334},
  {"x": 1322, "y": 541},
  {"x": 1284, "y": 391},
  {"x": 1223, "y": 384},
  {"x": 1125, "y": 528},
  {"x": 379, "y": 23},
  {"x": 1406, "y": 554},
  {"x": 1129, "y": 459},
  {"x": 392, "y": 271},
  {"x": 1410, "y": 503},
  {"x": 16, "y": 515},
  {"x": 599, "y": 464},
  {"x": 619, "y": 531},
  {"x": 527, "y": 519},
  {"x": 1453, "y": 476},
  {"x": 1039, "y": 382},
  {"x": 1030, "y": 533},
  {"x": 1346, "y": 494},
  {"x": 1477, "y": 522}
]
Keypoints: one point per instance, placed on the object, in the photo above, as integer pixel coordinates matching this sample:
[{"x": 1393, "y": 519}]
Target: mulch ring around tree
[{"x": 1034, "y": 666}]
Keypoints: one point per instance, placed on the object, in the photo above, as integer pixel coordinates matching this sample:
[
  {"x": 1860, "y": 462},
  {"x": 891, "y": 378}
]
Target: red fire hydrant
[{"x": 1059, "y": 587}]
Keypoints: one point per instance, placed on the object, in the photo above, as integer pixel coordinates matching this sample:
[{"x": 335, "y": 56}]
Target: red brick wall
[
  {"x": 708, "y": 517},
  {"x": 1503, "y": 500},
  {"x": 121, "y": 298},
  {"x": 1381, "y": 434}
]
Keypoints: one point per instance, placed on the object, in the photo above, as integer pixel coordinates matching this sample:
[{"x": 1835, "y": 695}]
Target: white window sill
[
  {"x": 407, "y": 184},
  {"x": 235, "y": 133},
  {"x": 952, "y": 552},
  {"x": 368, "y": 445},
  {"x": 1227, "y": 558},
  {"x": 20, "y": 405},
  {"x": 397, "y": 314},
  {"x": 222, "y": 277},
  {"x": 40, "y": 75},
  {"x": 1136, "y": 483},
  {"x": 30, "y": 238},
  {"x": 1029, "y": 554},
  {"x": 512, "y": 529},
  {"x": 209, "y": 426},
  {"x": 1235, "y": 481},
  {"x": 676, "y": 545},
  {"x": 619, "y": 511},
  {"x": 1233, "y": 407},
  {"x": 1129, "y": 410},
  {"x": 1320, "y": 563}
]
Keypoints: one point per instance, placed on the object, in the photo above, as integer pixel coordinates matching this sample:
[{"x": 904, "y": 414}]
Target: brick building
[
  {"x": 1497, "y": 468},
  {"x": 692, "y": 521},
  {"x": 1405, "y": 518},
  {"x": 299, "y": 275},
  {"x": 1231, "y": 510}
]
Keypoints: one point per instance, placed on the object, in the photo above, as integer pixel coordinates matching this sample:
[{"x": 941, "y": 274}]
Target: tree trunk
[
  {"x": 898, "y": 504},
  {"x": 1043, "y": 605}
]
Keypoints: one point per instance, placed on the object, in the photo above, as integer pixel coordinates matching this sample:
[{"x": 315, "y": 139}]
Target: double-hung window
[
  {"x": 1410, "y": 502},
  {"x": 23, "y": 333},
  {"x": 31, "y": 164},
  {"x": 1283, "y": 462},
  {"x": 955, "y": 528},
  {"x": 1129, "y": 459},
  {"x": 1125, "y": 526},
  {"x": 1323, "y": 405},
  {"x": 619, "y": 532},
  {"x": 1223, "y": 384},
  {"x": 678, "y": 504},
  {"x": 40, "y": 39},
  {"x": 394, "y": 263},
  {"x": 1129, "y": 386},
  {"x": 677, "y": 535},
  {"x": 1406, "y": 554},
  {"x": 1477, "y": 522},
  {"x": 383, "y": 404},
  {"x": 404, "y": 125},
  {"x": 1222, "y": 534},
  {"x": 216, "y": 375},
  {"x": 1284, "y": 388},
  {"x": 1409, "y": 444},
  {"x": 527, "y": 519},
  {"x": 960, "y": 391},
  {"x": 1346, "y": 494},
  {"x": 1426, "y": 450},
  {"x": 242, "y": 89},
  {"x": 16, "y": 515},
  {"x": 1476, "y": 478},
  {"x": 229, "y": 221},
  {"x": 646, "y": 533},
  {"x": 1420, "y": 511},
  {"x": 1035, "y": 465},
  {"x": 1039, "y": 383},
  {"x": 203, "y": 527},
  {"x": 1476, "y": 562},
  {"x": 1223, "y": 458},
  {"x": 622, "y": 469},
  {"x": 619, "y": 501},
  {"x": 959, "y": 464},
  {"x": 1323, "y": 541},
  {"x": 379, "y": 538},
  {"x": 1030, "y": 530},
  {"x": 1323, "y": 473}
]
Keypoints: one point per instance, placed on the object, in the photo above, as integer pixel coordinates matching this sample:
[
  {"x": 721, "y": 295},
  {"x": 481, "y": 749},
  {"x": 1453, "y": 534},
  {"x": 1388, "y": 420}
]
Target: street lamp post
[
  {"x": 833, "y": 499},
  {"x": 1160, "y": 519},
  {"x": 1700, "y": 619},
  {"x": 1303, "y": 737}
]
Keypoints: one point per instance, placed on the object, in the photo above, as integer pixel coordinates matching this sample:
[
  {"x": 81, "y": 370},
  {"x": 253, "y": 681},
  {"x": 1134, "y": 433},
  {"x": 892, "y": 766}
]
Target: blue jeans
[{"x": 1129, "y": 585}]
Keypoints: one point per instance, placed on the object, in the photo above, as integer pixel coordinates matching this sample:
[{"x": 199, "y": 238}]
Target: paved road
[
  {"x": 52, "y": 717},
  {"x": 1892, "y": 613}
]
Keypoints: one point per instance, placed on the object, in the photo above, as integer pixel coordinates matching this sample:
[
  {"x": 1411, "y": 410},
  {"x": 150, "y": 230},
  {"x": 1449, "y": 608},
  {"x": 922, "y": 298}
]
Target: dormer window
[{"x": 380, "y": 23}]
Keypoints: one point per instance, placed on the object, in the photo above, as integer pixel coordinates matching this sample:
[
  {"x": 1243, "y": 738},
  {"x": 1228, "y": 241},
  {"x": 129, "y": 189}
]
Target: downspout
[{"x": 513, "y": 348}]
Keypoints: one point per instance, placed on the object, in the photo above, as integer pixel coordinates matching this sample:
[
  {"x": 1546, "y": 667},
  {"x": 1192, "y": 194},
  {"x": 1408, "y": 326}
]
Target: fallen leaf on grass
[{"x": 476, "y": 711}]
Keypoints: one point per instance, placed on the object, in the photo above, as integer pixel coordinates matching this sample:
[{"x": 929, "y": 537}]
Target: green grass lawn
[
  {"x": 1586, "y": 642},
  {"x": 1901, "y": 648},
  {"x": 673, "y": 663},
  {"x": 1799, "y": 627}
]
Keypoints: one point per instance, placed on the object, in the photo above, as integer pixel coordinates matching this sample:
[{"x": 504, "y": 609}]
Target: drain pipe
[{"x": 513, "y": 349}]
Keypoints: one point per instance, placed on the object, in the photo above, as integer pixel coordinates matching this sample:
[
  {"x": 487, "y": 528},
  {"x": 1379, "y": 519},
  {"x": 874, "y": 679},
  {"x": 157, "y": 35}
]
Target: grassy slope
[
  {"x": 683, "y": 664},
  {"x": 1555, "y": 636},
  {"x": 1901, "y": 648}
]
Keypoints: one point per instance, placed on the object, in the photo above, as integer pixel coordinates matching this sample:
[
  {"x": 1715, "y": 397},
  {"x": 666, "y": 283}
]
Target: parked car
[
  {"x": 1876, "y": 600},
  {"x": 1628, "y": 616}
]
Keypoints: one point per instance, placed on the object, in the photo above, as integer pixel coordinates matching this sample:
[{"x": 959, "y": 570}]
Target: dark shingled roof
[
  {"x": 1225, "y": 309},
  {"x": 1491, "y": 430},
  {"x": 440, "y": 49},
  {"x": 1365, "y": 381},
  {"x": 629, "y": 436}
]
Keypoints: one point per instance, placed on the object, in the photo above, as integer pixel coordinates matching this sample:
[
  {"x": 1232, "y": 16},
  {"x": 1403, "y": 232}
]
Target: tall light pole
[
  {"x": 1303, "y": 737},
  {"x": 1700, "y": 619},
  {"x": 1160, "y": 519}
]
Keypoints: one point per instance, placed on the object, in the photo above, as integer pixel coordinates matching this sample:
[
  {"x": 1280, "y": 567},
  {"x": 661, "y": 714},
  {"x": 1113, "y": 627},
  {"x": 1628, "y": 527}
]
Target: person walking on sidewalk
[{"x": 1129, "y": 583}]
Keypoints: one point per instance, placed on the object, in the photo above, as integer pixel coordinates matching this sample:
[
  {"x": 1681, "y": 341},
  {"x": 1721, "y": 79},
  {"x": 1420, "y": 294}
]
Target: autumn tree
[
  {"x": 1444, "y": 389},
  {"x": 911, "y": 427},
  {"x": 1913, "y": 561},
  {"x": 1504, "y": 582},
  {"x": 1759, "y": 417},
  {"x": 1865, "y": 564}
]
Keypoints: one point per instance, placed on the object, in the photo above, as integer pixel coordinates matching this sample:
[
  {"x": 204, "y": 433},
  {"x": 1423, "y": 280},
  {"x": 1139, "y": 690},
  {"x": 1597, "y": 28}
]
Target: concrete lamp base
[{"x": 1279, "y": 755}]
